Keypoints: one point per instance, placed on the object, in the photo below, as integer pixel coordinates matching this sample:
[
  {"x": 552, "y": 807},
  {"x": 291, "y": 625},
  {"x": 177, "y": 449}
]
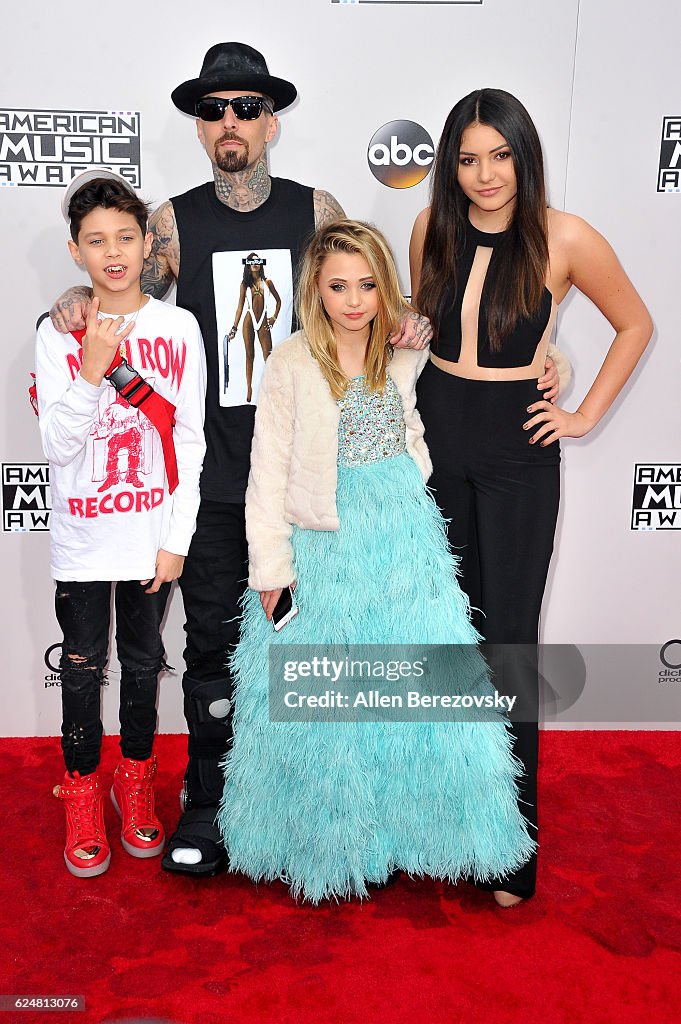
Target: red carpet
[{"x": 600, "y": 943}]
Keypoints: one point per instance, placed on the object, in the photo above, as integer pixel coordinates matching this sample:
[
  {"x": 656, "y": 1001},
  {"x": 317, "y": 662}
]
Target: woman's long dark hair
[{"x": 517, "y": 277}]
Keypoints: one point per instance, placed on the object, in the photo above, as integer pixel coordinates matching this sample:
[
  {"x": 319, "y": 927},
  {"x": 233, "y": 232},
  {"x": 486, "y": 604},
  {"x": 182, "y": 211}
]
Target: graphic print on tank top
[{"x": 253, "y": 311}]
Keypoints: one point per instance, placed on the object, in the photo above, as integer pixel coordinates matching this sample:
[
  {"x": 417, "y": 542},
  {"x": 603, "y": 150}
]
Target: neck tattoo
[{"x": 243, "y": 190}]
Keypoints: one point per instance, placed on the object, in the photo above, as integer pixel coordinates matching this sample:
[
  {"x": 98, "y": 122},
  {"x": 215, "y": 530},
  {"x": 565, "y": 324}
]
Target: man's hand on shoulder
[
  {"x": 415, "y": 331},
  {"x": 71, "y": 309},
  {"x": 162, "y": 266},
  {"x": 326, "y": 208}
]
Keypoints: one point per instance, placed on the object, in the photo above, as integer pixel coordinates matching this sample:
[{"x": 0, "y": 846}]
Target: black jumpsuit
[{"x": 499, "y": 493}]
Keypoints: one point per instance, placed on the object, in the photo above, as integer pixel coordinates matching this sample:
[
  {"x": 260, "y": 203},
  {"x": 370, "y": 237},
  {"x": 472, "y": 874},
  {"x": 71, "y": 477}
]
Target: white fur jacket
[{"x": 294, "y": 472}]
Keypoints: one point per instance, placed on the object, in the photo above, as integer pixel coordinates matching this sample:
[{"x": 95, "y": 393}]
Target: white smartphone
[{"x": 284, "y": 610}]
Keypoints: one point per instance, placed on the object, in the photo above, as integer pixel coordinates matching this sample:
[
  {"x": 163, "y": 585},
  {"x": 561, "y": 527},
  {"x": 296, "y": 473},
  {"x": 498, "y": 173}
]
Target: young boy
[{"x": 121, "y": 419}]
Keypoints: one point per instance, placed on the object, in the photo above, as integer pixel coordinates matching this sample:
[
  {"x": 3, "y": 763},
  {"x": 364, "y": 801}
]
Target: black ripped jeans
[{"x": 84, "y": 614}]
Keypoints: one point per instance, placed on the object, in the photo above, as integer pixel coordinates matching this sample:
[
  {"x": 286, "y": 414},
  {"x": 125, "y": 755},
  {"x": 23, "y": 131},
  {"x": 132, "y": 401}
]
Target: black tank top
[
  {"x": 519, "y": 347},
  {"x": 217, "y": 247}
]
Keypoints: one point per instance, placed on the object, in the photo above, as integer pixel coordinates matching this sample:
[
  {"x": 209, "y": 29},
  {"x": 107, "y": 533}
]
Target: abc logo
[{"x": 400, "y": 154}]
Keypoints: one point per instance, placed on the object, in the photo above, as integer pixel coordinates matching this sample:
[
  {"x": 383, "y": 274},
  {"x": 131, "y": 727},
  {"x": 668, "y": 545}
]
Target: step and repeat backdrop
[{"x": 85, "y": 85}]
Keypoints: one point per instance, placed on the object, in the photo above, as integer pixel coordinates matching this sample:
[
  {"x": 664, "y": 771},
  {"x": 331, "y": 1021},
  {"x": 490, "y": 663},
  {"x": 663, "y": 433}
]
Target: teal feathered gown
[{"x": 329, "y": 806}]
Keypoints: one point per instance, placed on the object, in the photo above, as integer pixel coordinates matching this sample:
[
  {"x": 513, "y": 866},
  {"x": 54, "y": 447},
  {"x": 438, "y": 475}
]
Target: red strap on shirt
[
  {"x": 33, "y": 396},
  {"x": 158, "y": 410}
]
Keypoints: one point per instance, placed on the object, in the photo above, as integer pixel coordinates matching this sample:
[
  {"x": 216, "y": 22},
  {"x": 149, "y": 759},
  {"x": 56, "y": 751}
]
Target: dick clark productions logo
[{"x": 400, "y": 154}]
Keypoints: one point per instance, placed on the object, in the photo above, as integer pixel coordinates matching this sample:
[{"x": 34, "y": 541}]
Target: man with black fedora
[
  {"x": 238, "y": 235},
  {"x": 244, "y": 213}
]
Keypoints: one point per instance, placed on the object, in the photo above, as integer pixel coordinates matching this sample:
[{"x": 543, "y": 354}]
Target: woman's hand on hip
[{"x": 554, "y": 422}]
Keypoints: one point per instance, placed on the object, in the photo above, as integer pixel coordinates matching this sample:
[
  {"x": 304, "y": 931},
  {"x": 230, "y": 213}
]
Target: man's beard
[{"x": 231, "y": 160}]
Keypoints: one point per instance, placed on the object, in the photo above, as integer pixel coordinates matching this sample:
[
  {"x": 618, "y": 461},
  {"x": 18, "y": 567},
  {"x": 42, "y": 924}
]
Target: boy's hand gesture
[
  {"x": 168, "y": 568},
  {"x": 100, "y": 343}
]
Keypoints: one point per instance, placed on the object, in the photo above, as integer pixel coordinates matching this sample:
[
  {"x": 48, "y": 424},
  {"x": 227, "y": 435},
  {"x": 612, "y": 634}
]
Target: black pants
[
  {"x": 500, "y": 495},
  {"x": 212, "y": 585},
  {"x": 84, "y": 615}
]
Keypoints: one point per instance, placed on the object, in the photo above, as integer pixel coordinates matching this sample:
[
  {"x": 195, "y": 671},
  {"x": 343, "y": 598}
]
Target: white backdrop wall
[{"x": 598, "y": 86}]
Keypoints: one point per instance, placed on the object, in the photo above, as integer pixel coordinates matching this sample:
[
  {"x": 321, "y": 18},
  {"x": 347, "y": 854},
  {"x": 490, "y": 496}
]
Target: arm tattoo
[
  {"x": 162, "y": 266},
  {"x": 326, "y": 208}
]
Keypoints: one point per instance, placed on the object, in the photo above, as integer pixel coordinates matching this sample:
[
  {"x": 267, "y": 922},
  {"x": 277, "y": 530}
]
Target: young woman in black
[{"x": 490, "y": 263}]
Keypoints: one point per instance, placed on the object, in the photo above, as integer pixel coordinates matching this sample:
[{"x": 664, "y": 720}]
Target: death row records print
[{"x": 253, "y": 312}]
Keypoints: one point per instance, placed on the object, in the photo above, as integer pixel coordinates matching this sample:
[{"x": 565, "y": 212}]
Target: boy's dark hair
[{"x": 109, "y": 194}]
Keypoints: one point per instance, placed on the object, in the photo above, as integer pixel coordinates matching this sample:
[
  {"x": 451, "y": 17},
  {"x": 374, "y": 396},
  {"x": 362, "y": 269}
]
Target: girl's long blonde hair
[{"x": 350, "y": 236}]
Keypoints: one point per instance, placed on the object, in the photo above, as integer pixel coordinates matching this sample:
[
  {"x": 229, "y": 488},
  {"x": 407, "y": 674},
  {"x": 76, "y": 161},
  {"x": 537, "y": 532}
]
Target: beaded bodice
[{"x": 371, "y": 424}]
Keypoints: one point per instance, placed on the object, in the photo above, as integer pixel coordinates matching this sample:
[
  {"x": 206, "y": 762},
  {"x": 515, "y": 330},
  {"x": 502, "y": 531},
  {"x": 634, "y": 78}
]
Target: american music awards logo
[
  {"x": 669, "y": 173},
  {"x": 656, "y": 502},
  {"x": 49, "y": 147},
  {"x": 26, "y": 501}
]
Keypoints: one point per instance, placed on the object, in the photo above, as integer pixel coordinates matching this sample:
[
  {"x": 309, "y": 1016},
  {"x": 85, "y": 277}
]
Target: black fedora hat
[{"x": 229, "y": 66}]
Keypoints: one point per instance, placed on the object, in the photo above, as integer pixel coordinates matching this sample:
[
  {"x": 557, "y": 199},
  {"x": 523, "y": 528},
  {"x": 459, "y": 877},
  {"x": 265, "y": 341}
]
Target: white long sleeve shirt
[{"x": 111, "y": 511}]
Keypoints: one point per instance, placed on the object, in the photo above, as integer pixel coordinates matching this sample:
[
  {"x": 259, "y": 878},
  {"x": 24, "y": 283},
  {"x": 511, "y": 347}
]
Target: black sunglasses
[{"x": 246, "y": 108}]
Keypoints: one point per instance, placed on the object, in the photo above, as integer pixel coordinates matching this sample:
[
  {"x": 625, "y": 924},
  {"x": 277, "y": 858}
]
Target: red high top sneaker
[
  {"x": 87, "y": 850},
  {"x": 132, "y": 795}
]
